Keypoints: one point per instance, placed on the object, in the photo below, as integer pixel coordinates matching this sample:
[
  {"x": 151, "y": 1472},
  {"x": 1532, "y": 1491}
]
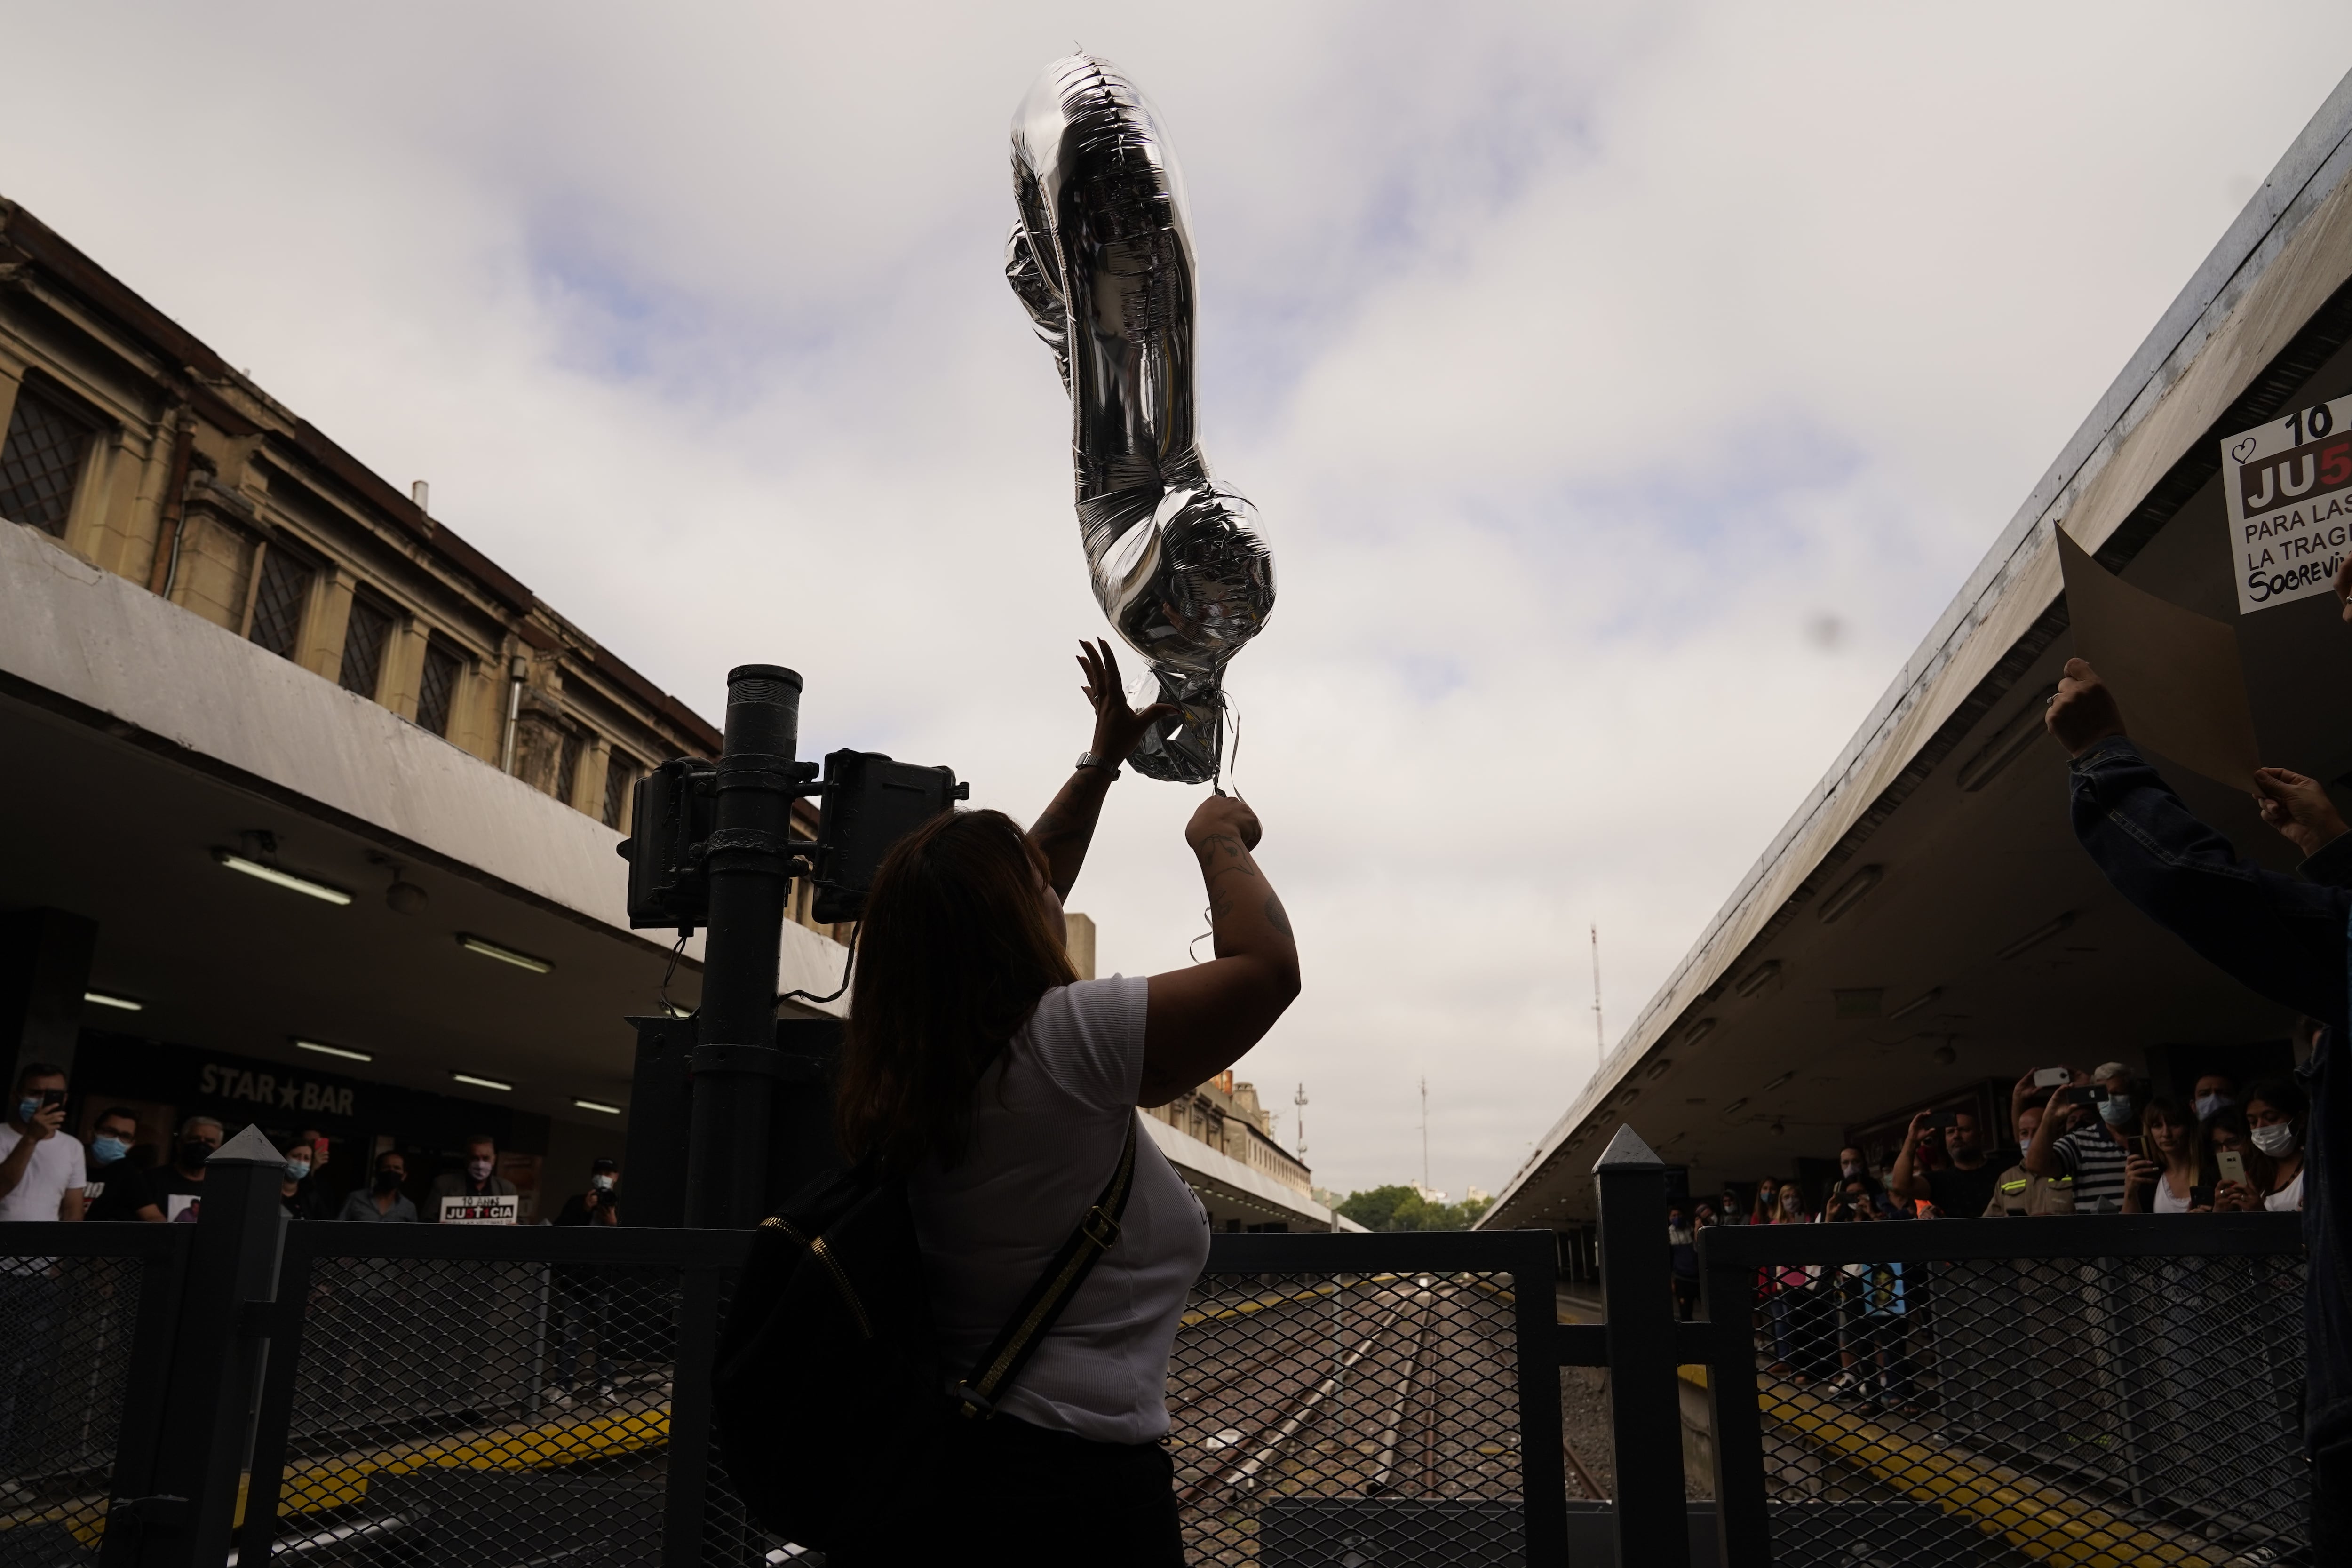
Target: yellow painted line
[
  {"x": 338, "y": 1483},
  {"x": 2043, "y": 1522}
]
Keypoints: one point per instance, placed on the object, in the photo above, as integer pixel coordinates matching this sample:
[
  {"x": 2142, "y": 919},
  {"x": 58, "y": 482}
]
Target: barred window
[
  {"x": 436, "y": 692},
  {"x": 620, "y": 775},
  {"x": 567, "y": 770},
  {"x": 41, "y": 462},
  {"x": 280, "y": 600},
  {"x": 363, "y": 639}
]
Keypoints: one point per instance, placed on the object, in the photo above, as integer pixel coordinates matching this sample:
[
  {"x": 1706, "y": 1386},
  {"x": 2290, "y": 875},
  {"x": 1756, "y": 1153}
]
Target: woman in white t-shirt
[
  {"x": 1004, "y": 1087},
  {"x": 2167, "y": 1183}
]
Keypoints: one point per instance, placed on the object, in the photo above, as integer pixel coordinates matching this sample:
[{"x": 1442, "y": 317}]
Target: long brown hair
[{"x": 952, "y": 955}]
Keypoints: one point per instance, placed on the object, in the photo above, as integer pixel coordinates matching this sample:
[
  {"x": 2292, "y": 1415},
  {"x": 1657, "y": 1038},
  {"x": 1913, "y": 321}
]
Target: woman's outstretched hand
[{"x": 1117, "y": 727}]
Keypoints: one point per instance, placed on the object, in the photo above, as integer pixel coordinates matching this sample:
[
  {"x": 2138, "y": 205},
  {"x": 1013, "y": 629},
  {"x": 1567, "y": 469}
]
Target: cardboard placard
[
  {"x": 2175, "y": 673},
  {"x": 493, "y": 1209}
]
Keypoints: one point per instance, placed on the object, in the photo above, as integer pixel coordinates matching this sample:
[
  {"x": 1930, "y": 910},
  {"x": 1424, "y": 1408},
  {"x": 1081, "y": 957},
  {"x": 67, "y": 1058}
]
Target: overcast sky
[{"x": 1624, "y": 390}]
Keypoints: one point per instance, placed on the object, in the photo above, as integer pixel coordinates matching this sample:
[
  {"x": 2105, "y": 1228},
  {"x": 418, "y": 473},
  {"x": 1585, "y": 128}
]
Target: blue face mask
[
  {"x": 28, "y": 1109},
  {"x": 107, "y": 1150},
  {"x": 297, "y": 1168},
  {"x": 2207, "y": 1104},
  {"x": 2116, "y": 1109}
]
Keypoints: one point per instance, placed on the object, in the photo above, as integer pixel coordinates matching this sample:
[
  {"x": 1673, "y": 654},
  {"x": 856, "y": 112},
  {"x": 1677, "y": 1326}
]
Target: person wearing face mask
[
  {"x": 2094, "y": 1155},
  {"x": 382, "y": 1199},
  {"x": 297, "y": 1191},
  {"x": 2275, "y": 1112},
  {"x": 175, "y": 1192},
  {"x": 2213, "y": 1091},
  {"x": 598, "y": 1204},
  {"x": 479, "y": 1179},
  {"x": 117, "y": 1183},
  {"x": 41, "y": 1168}
]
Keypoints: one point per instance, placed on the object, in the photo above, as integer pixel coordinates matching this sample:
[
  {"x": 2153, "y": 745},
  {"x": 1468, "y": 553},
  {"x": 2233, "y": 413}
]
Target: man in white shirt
[{"x": 41, "y": 1169}]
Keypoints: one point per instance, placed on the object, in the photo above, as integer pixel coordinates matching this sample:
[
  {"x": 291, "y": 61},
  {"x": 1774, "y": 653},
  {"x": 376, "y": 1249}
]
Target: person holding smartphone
[
  {"x": 42, "y": 1172},
  {"x": 2093, "y": 1154},
  {"x": 2275, "y": 1115},
  {"x": 2164, "y": 1171},
  {"x": 2236, "y": 1188}
]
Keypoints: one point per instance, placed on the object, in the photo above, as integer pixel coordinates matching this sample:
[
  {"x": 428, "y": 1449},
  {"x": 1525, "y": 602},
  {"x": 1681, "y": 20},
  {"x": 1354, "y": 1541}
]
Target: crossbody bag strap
[{"x": 977, "y": 1392}]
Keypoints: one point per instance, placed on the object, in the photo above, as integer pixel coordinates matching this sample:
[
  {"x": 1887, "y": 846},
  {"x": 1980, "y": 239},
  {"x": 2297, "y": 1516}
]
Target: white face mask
[
  {"x": 600, "y": 1181},
  {"x": 2277, "y": 1139},
  {"x": 478, "y": 1169},
  {"x": 2207, "y": 1104},
  {"x": 2116, "y": 1109}
]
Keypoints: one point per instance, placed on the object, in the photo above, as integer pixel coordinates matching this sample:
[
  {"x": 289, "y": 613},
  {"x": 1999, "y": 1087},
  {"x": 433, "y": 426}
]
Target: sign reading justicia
[{"x": 2288, "y": 484}]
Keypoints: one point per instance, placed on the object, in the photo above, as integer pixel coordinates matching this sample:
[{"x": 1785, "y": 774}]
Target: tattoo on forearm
[{"x": 1275, "y": 916}]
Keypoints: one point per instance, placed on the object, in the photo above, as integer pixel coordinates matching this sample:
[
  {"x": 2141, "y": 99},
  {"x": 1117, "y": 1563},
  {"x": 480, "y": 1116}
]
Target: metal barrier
[
  {"x": 2085, "y": 1390},
  {"x": 2092, "y": 1388}
]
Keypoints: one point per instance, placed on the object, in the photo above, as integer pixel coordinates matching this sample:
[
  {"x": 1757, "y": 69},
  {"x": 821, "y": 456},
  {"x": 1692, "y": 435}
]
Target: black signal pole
[{"x": 749, "y": 855}]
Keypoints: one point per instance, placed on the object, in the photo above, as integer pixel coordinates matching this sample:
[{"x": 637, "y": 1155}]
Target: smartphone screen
[
  {"x": 1944, "y": 1121},
  {"x": 2231, "y": 1163}
]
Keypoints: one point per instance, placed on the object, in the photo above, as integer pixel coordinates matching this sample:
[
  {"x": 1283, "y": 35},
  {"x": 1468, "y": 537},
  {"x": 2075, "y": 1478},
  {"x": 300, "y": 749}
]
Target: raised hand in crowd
[{"x": 2082, "y": 712}]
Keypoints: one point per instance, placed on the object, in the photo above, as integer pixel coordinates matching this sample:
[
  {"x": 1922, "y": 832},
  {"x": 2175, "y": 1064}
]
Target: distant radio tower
[
  {"x": 1600, "y": 1039},
  {"x": 1300, "y": 1100},
  {"x": 1424, "y": 1135}
]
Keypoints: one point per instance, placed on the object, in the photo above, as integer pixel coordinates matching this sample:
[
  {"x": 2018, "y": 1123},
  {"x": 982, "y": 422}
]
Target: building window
[
  {"x": 280, "y": 600},
  {"x": 41, "y": 463},
  {"x": 363, "y": 639},
  {"x": 567, "y": 770},
  {"x": 620, "y": 777},
  {"x": 436, "y": 690}
]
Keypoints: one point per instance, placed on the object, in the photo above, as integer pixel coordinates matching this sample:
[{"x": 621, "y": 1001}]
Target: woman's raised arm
[
  {"x": 1199, "y": 1021},
  {"x": 1065, "y": 830}
]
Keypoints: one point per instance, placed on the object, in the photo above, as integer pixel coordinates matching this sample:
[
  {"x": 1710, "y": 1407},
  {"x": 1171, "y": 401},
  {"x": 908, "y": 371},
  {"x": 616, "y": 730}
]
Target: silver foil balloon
[{"x": 1102, "y": 260}]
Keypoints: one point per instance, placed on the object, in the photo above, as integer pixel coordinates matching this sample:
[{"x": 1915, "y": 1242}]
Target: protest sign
[
  {"x": 2288, "y": 488},
  {"x": 488, "y": 1210}
]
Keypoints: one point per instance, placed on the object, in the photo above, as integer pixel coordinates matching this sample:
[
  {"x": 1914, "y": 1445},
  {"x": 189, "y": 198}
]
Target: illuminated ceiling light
[
  {"x": 483, "y": 1082},
  {"x": 597, "y": 1105},
  {"x": 504, "y": 955},
  {"x": 2037, "y": 936},
  {"x": 326, "y": 1050},
  {"x": 100, "y": 998},
  {"x": 288, "y": 879},
  {"x": 1923, "y": 999},
  {"x": 1850, "y": 892}
]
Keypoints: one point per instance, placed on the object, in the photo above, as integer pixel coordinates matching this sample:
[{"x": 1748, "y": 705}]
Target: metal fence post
[
  {"x": 736, "y": 1060},
  {"x": 1652, "y": 1524},
  {"x": 214, "y": 1360},
  {"x": 1743, "y": 1524},
  {"x": 1541, "y": 1483}
]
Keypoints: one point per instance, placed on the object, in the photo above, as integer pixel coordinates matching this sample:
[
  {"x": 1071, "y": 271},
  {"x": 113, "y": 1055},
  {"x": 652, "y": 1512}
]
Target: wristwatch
[{"x": 1090, "y": 760}]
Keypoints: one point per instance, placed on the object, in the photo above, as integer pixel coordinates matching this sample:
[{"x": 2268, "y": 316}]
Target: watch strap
[{"x": 1094, "y": 760}]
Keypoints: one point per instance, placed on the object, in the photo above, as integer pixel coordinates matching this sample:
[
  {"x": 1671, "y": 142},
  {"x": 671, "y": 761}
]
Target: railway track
[{"x": 1397, "y": 1389}]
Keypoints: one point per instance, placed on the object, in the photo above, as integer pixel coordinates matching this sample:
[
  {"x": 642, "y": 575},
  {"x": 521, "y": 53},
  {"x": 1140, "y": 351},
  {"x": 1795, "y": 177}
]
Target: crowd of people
[
  {"x": 47, "y": 1174},
  {"x": 2083, "y": 1142}
]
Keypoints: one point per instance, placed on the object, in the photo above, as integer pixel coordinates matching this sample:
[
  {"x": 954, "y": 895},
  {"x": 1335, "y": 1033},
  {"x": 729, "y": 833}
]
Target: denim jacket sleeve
[
  {"x": 2330, "y": 865},
  {"x": 2276, "y": 934}
]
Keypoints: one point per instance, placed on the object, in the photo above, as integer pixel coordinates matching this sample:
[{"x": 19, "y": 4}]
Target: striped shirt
[{"x": 2095, "y": 1161}]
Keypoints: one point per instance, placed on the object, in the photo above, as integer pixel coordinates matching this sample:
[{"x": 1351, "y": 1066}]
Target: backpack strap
[{"x": 976, "y": 1393}]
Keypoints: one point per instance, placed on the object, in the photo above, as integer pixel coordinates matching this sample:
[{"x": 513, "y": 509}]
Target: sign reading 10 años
[{"x": 2289, "y": 485}]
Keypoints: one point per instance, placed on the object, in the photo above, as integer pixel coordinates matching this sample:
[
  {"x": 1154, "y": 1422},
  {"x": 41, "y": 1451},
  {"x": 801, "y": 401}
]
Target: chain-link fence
[
  {"x": 1348, "y": 1418},
  {"x": 70, "y": 1313},
  {"x": 2074, "y": 1401}
]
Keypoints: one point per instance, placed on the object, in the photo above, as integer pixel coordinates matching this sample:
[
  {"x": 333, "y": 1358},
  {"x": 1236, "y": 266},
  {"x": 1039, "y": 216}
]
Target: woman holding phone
[
  {"x": 2276, "y": 1113},
  {"x": 2167, "y": 1166},
  {"x": 2234, "y": 1160}
]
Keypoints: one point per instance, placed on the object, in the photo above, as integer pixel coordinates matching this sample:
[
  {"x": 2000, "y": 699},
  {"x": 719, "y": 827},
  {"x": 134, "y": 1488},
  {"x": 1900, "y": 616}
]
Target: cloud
[{"x": 1581, "y": 364}]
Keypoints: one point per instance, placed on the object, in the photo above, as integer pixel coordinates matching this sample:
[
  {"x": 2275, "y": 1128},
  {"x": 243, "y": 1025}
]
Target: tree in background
[{"x": 1403, "y": 1208}]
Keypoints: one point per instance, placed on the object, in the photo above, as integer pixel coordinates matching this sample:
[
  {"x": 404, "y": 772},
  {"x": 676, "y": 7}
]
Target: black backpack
[{"x": 830, "y": 1392}]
